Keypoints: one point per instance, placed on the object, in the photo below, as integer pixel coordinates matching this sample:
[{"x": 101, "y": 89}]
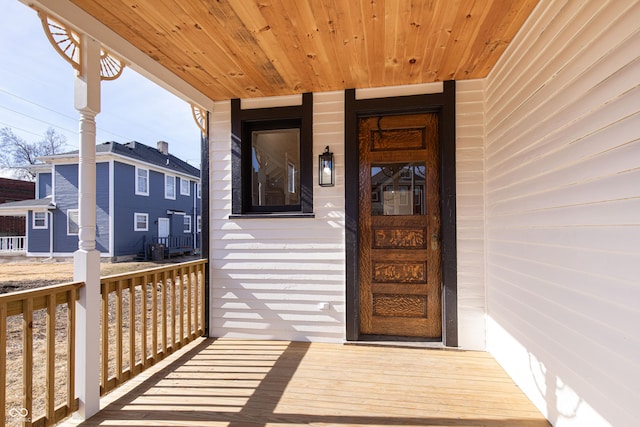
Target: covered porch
[
  {"x": 539, "y": 203},
  {"x": 227, "y": 382}
]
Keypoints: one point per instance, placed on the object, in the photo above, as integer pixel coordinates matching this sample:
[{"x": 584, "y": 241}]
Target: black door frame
[{"x": 444, "y": 104}]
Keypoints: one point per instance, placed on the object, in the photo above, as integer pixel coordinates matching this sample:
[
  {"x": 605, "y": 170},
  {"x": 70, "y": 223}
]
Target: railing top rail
[
  {"x": 140, "y": 273},
  {"x": 39, "y": 292}
]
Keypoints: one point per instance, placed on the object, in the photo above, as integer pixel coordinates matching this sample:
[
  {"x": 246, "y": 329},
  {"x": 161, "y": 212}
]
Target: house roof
[
  {"x": 242, "y": 49},
  {"x": 139, "y": 152},
  {"x": 15, "y": 189},
  {"x": 23, "y": 206},
  {"x": 144, "y": 153}
]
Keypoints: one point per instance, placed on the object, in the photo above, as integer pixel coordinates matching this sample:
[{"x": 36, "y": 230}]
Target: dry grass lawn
[{"x": 25, "y": 275}]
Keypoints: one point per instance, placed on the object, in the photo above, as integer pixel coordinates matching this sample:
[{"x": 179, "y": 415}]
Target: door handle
[{"x": 435, "y": 242}]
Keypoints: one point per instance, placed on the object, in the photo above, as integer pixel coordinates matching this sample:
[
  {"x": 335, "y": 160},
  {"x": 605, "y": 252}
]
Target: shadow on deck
[{"x": 257, "y": 383}]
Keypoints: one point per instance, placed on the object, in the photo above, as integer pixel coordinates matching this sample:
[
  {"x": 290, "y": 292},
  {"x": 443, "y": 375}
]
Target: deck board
[{"x": 269, "y": 383}]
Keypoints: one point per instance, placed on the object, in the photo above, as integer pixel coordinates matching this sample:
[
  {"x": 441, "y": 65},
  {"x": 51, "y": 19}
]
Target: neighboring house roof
[
  {"x": 12, "y": 190},
  {"x": 137, "y": 151},
  {"x": 23, "y": 206}
]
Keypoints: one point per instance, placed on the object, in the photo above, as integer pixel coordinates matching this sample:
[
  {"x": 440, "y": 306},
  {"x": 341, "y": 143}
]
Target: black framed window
[{"x": 272, "y": 160}]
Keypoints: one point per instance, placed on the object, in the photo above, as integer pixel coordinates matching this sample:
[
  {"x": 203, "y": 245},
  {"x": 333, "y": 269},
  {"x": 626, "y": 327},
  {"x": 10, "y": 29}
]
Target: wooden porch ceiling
[
  {"x": 250, "y": 48},
  {"x": 231, "y": 382}
]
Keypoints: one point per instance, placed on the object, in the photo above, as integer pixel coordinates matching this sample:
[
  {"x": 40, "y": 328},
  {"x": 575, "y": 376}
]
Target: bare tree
[{"x": 18, "y": 154}]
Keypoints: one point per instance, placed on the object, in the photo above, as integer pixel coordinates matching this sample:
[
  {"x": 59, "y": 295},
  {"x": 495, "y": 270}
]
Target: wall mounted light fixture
[{"x": 326, "y": 171}]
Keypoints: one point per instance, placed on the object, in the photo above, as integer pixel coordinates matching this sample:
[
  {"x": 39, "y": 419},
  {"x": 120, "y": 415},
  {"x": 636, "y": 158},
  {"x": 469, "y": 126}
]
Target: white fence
[{"x": 12, "y": 244}]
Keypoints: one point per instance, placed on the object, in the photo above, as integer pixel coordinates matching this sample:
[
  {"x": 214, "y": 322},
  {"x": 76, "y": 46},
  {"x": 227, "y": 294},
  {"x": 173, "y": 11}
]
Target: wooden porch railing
[
  {"x": 147, "y": 315},
  {"x": 12, "y": 244},
  {"x": 55, "y": 305}
]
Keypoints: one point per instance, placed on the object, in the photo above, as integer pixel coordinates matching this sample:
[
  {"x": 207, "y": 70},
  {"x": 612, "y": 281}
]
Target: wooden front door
[{"x": 399, "y": 228}]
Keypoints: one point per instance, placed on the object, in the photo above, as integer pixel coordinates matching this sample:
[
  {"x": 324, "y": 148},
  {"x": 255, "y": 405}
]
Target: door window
[{"x": 398, "y": 188}]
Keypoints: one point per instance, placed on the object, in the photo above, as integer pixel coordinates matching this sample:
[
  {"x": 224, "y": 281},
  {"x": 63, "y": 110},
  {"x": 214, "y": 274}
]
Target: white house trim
[
  {"x": 112, "y": 204},
  {"x": 67, "y": 12},
  {"x": 138, "y": 192},
  {"x": 70, "y": 159},
  {"x": 386, "y": 91},
  {"x": 33, "y": 220}
]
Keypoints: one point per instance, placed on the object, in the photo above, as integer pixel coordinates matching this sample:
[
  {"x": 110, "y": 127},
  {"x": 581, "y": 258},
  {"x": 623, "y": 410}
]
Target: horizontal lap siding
[
  {"x": 270, "y": 276},
  {"x": 563, "y": 211},
  {"x": 470, "y": 212}
]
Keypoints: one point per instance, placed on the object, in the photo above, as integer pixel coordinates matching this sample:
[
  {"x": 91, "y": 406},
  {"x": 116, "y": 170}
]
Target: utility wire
[
  {"x": 20, "y": 129},
  {"x": 75, "y": 132},
  {"x": 36, "y": 104},
  {"x": 38, "y": 120}
]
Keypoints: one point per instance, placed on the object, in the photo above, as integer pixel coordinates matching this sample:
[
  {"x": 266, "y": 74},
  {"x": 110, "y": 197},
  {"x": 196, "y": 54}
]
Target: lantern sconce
[{"x": 326, "y": 171}]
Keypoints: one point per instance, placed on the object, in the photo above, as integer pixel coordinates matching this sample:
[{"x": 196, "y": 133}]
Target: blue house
[{"x": 145, "y": 197}]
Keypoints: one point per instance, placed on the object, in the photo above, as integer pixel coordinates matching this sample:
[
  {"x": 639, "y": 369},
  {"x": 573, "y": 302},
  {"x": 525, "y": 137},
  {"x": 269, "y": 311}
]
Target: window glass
[
  {"x": 142, "y": 181},
  {"x": 169, "y": 187},
  {"x": 398, "y": 189},
  {"x": 40, "y": 220},
  {"x": 184, "y": 187},
  {"x": 275, "y": 162},
  {"x": 199, "y": 229},
  {"x": 141, "y": 222},
  {"x": 72, "y": 222},
  {"x": 187, "y": 224}
]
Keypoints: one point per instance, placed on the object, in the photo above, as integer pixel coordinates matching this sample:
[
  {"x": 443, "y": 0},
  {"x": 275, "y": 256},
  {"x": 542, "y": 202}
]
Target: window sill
[{"x": 272, "y": 215}]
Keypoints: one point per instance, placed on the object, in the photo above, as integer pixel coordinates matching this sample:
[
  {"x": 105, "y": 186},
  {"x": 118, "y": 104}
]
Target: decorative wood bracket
[
  {"x": 200, "y": 116},
  {"x": 67, "y": 43}
]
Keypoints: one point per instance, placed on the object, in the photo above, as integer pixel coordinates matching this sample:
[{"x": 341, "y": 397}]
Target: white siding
[
  {"x": 272, "y": 277},
  {"x": 563, "y": 211},
  {"x": 470, "y": 213}
]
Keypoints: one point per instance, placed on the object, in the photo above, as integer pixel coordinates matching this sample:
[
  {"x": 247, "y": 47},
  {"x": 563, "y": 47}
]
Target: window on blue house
[
  {"x": 72, "y": 222},
  {"x": 187, "y": 224},
  {"x": 142, "y": 181},
  {"x": 40, "y": 220},
  {"x": 169, "y": 187},
  {"x": 140, "y": 222},
  {"x": 185, "y": 186},
  {"x": 199, "y": 229}
]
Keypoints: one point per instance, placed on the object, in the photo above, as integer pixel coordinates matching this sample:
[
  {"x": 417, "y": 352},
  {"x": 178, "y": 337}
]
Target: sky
[{"x": 36, "y": 92}]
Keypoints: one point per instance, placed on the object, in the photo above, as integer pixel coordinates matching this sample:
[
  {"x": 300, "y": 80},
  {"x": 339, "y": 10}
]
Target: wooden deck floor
[{"x": 259, "y": 383}]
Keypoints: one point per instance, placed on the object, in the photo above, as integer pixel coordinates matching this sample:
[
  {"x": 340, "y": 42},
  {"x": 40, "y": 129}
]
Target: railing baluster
[
  {"x": 143, "y": 310},
  {"x": 164, "y": 295},
  {"x": 172, "y": 287},
  {"x": 154, "y": 316},
  {"x": 196, "y": 310},
  {"x": 189, "y": 298},
  {"x": 181, "y": 310},
  {"x": 51, "y": 357},
  {"x": 132, "y": 326},
  {"x": 118, "y": 331},
  {"x": 27, "y": 356}
]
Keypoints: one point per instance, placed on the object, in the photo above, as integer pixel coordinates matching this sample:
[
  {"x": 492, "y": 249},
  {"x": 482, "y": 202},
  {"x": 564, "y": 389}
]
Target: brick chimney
[{"x": 163, "y": 147}]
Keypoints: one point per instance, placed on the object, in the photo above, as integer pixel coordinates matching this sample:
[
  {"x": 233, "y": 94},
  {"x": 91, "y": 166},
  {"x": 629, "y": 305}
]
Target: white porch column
[{"x": 86, "y": 259}]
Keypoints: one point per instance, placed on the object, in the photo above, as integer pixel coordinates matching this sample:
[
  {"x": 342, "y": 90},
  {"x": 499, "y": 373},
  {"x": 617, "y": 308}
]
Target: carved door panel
[{"x": 399, "y": 226}]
